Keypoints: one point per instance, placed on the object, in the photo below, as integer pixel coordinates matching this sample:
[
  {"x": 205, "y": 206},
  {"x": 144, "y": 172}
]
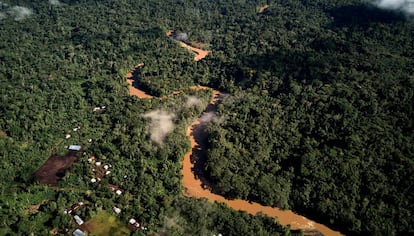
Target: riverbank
[
  {"x": 195, "y": 185},
  {"x": 199, "y": 53},
  {"x": 134, "y": 91}
]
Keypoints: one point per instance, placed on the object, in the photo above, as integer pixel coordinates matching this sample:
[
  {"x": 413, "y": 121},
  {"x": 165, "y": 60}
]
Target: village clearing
[{"x": 104, "y": 224}]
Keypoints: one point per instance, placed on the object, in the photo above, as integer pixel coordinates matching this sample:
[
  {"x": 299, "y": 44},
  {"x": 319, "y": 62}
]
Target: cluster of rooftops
[
  {"x": 132, "y": 225},
  {"x": 100, "y": 169}
]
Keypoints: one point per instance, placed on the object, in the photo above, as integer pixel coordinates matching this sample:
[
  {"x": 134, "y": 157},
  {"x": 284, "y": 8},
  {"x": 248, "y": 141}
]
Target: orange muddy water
[
  {"x": 197, "y": 186},
  {"x": 130, "y": 79},
  {"x": 200, "y": 53}
]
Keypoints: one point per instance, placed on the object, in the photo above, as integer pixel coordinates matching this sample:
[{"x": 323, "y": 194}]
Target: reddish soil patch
[
  {"x": 54, "y": 168},
  {"x": 262, "y": 9}
]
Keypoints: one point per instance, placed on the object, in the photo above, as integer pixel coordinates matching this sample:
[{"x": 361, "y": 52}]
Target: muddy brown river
[{"x": 196, "y": 186}]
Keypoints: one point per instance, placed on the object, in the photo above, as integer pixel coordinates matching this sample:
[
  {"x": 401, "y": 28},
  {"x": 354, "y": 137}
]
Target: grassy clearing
[{"x": 105, "y": 224}]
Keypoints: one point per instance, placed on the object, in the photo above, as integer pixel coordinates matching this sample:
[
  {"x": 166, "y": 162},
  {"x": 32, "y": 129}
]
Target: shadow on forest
[
  {"x": 199, "y": 154},
  {"x": 362, "y": 15},
  {"x": 287, "y": 65}
]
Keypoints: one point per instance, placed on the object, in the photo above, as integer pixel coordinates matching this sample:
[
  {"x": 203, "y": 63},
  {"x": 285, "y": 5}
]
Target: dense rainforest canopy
[{"x": 319, "y": 116}]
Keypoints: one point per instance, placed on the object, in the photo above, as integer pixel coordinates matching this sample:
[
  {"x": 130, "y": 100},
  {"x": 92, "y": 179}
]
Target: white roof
[
  {"x": 117, "y": 210},
  {"x": 78, "y": 232},
  {"x": 75, "y": 147},
  {"x": 132, "y": 221},
  {"x": 119, "y": 192},
  {"x": 78, "y": 220}
]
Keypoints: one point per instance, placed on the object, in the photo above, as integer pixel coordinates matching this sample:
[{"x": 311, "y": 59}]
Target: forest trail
[{"x": 197, "y": 186}]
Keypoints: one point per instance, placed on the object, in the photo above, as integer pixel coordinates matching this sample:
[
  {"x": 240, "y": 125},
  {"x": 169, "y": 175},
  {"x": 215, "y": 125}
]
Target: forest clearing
[
  {"x": 54, "y": 168},
  {"x": 105, "y": 224},
  {"x": 263, "y": 8}
]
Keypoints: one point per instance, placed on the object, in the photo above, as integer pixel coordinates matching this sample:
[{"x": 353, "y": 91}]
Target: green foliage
[
  {"x": 319, "y": 117},
  {"x": 199, "y": 217}
]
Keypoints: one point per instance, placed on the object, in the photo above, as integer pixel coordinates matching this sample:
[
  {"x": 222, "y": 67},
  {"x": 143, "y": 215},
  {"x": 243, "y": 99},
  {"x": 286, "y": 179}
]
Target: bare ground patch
[{"x": 54, "y": 168}]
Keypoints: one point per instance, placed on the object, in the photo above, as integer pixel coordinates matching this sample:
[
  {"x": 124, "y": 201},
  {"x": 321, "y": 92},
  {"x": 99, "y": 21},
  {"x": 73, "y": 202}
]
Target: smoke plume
[
  {"x": 406, "y": 6},
  {"x": 207, "y": 117},
  {"x": 20, "y": 13},
  {"x": 54, "y": 2},
  {"x": 161, "y": 125},
  {"x": 192, "y": 101}
]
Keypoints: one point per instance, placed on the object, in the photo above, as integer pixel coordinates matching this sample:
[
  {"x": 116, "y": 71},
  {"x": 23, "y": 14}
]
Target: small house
[
  {"x": 73, "y": 208},
  {"x": 91, "y": 159},
  {"x": 78, "y": 232},
  {"x": 133, "y": 225},
  {"x": 116, "y": 210},
  {"x": 75, "y": 147},
  {"x": 78, "y": 220},
  {"x": 77, "y": 206}
]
